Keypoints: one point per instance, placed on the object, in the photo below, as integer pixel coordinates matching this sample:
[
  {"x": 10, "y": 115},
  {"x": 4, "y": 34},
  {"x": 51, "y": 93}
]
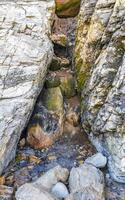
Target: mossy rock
[
  {"x": 58, "y": 63},
  {"x": 68, "y": 86},
  {"x": 67, "y": 8},
  {"x": 60, "y": 39},
  {"x": 52, "y": 81},
  {"x": 53, "y": 99}
]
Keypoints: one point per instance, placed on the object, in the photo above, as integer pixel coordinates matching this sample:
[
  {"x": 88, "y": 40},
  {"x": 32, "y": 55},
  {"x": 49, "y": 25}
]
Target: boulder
[
  {"x": 100, "y": 67},
  {"x": 67, "y": 8},
  {"x": 98, "y": 160},
  {"x": 41, "y": 188},
  {"x": 25, "y": 54},
  {"x": 86, "y": 182}
]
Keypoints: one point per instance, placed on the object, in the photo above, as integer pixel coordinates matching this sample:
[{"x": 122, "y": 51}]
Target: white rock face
[
  {"x": 41, "y": 188},
  {"x": 60, "y": 190},
  {"x": 86, "y": 182},
  {"x": 25, "y": 53},
  {"x": 100, "y": 63},
  {"x": 98, "y": 160}
]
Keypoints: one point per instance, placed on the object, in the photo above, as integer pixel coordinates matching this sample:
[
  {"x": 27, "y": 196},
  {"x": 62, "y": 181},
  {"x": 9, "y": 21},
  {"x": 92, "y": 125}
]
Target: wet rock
[
  {"x": 86, "y": 182},
  {"x": 67, "y": 8},
  {"x": 58, "y": 63},
  {"x": 60, "y": 39},
  {"x": 40, "y": 188},
  {"x": 68, "y": 84},
  {"x": 47, "y": 121},
  {"x": 100, "y": 64},
  {"x": 25, "y": 54},
  {"x": 60, "y": 190},
  {"x": 52, "y": 81},
  {"x": 34, "y": 159},
  {"x": 97, "y": 160},
  {"x": 6, "y": 193},
  {"x": 53, "y": 99}
]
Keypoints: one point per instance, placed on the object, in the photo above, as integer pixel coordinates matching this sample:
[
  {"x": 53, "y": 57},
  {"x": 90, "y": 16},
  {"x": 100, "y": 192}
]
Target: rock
[
  {"x": 86, "y": 182},
  {"x": 34, "y": 159},
  {"x": 60, "y": 39},
  {"x": 58, "y": 63},
  {"x": 52, "y": 81},
  {"x": 25, "y": 54},
  {"x": 6, "y": 193},
  {"x": 67, "y": 8},
  {"x": 22, "y": 142},
  {"x": 2, "y": 180},
  {"x": 100, "y": 66},
  {"x": 46, "y": 126},
  {"x": 41, "y": 188},
  {"x": 60, "y": 190},
  {"x": 98, "y": 160},
  {"x": 53, "y": 99},
  {"x": 29, "y": 192},
  {"x": 68, "y": 84}
]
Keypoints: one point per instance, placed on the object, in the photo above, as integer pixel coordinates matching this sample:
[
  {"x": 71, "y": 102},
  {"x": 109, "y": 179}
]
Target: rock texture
[
  {"x": 25, "y": 53},
  {"x": 100, "y": 66},
  {"x": 86, "y": 182},
  {"x": 41, "y": 188}
]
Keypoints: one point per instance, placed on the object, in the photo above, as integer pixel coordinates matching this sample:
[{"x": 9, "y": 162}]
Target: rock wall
[
  {"x": 100, "y": 68},
  {"x": 25, "y": 53}
]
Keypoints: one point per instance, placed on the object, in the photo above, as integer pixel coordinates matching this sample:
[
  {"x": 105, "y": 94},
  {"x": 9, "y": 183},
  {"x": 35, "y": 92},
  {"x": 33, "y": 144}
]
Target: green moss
[{"x": 53, "y": 99}]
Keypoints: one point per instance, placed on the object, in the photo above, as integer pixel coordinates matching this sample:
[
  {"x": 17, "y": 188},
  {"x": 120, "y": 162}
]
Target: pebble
[
  {"x": 60, "y": 190},
  {"x": 97, "y": 160}
]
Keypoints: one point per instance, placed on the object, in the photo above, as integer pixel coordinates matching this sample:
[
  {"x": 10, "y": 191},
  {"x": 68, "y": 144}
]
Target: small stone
[
  {"x": 9, "y": 180},
  {"x": 60, "y": 190},
  {"x": 34, "y": 159},
  {"x": 21, "y": 157},
  {"x": 59, "y": 39},
  {"x": 97, "y": 160},
  {"x": 22, "y": 142},
  {"x": 6, "y": 193},
  {"x": 52, "y": 157},
  {"x": 2, "y": 180}
]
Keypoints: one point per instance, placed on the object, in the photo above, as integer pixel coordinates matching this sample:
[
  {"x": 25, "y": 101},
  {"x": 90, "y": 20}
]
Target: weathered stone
[
  {"x": 25, "y": 53},
  {"x": 60, "y": 190},
  {"x": 58, "y": 63},
  {"x": 40, "y": 188},
  {"x": 100, "y": 63},
  {"x": 67, "y": 8},
  {"x": 86, "y": 182},
  {"x": 46, "y": 125},
  {"x": 6, "y": 193},
  {"x": 53, "y": 99},
  {"x": 59, "y": 39},
  {"x": 98, "y": 160},
  {"x": 52, "y": 81},
  {"x": 68, "y": 84}
]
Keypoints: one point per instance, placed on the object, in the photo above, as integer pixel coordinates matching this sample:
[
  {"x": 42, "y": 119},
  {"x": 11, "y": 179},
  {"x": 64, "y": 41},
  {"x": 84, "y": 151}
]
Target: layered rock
[
  {"x": 25, "y": 53},
  {"x": 100, "y": 66}
]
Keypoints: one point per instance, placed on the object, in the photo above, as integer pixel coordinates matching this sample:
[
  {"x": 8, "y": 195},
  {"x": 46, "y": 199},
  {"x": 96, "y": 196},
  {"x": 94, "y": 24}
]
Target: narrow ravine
[
  {"x": 71, "y": 147},
  {"x": 54, "y": 135}
]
